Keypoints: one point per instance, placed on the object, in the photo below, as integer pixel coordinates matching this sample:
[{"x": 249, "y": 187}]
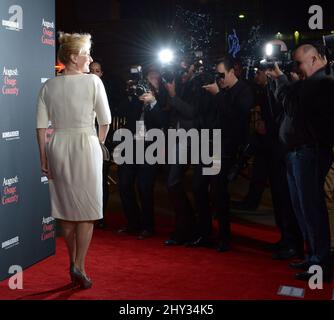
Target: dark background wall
[
  {"x": 127, "y": 32},
  {"x": 26, "y": 60}
]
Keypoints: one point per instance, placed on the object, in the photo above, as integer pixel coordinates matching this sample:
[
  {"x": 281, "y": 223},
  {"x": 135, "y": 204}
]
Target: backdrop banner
[{"x": 27, "y": 57}]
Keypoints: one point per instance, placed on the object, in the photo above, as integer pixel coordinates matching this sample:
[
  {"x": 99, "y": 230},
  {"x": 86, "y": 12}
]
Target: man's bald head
[
  {"x": 307, "y": 49},
  {"x": 309, "y": 59}
]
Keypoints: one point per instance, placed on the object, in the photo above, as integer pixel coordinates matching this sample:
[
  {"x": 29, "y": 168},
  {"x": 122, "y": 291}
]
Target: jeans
[{"x": 307, "y": 168}]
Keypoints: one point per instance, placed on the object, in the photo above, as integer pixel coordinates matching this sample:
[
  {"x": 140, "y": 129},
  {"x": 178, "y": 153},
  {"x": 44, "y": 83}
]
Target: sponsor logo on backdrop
[
  {"x": 10, "y": 86},
  {"x": 9, "y": 192},
  {"x": 15, "y": 21},
  {"x": 48, "y": 33},
  {"x": 11, "y": 135},
  {"x": 10, "y": 243},
  {"x": 48, "y": 229}
]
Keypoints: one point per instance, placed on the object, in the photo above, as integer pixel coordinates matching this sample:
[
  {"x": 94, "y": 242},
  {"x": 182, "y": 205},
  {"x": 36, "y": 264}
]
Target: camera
[
  {"x": 328, "y": 42},
  {"x": 328, "y": 48},
  {"x": 173, "y": 72},
  {"x": 137, "y": 85},
  {"x": 203, "y": 70},
  {"x": 274, "y": 54}
]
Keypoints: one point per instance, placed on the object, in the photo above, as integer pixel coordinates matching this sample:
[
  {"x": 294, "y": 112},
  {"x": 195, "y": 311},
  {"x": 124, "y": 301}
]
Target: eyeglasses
[{"x": 220, "y": 75}]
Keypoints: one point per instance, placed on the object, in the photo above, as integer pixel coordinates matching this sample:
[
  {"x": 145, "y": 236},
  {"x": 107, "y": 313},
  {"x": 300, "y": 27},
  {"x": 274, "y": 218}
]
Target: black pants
[
  {"x": 140, "y": 217},
  {"x": 184, "y": 213},
  {"x": 258, "y": 181},
  {"x": 219, "y": 201},
  {"x": 211, "y": 195}
]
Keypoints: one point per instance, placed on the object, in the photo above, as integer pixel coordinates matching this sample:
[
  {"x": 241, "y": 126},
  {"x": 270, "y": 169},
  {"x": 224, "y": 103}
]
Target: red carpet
[{"x": 124, "y": 268}]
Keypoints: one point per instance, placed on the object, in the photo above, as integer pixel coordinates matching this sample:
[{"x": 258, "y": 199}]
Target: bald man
[
  {"x": 309, "y": 60},
  {"x": 309, "y": 154}
]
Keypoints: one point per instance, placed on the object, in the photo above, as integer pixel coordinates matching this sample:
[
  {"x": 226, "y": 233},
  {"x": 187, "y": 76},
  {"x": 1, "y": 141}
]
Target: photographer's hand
[
  {"x": 274, "y": 73},
  {"x": 148, "y": 98},
  {"x": 294, "y": 76},
  {"x": 191, "y": 72},
  {"x": 212, "y": 88},
  {"x": 170, "y": 87}
]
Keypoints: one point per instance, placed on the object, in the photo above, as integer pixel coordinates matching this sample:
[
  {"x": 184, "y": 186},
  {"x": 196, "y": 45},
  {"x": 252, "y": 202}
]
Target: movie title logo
[
  {"x": 10, "y": 243},
  {"x": 48, "y": 229},
  {"x": 9, "y": 191},
  {"x": 48, "y": 33},
  {"x": 10, "y": 86},
  {"x": 15, "y": 22},
  {"x": 11, "y": 135}
]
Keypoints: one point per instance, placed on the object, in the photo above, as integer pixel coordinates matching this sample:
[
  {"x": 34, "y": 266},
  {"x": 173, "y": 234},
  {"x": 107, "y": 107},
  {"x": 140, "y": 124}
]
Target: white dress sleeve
[
  {"x": 101, "y": 104},
  {"x": 42, "y": 112}
]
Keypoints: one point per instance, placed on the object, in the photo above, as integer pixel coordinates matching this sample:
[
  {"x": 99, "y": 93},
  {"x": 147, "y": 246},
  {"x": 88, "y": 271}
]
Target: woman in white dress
[{"x": 72, "y": 160}]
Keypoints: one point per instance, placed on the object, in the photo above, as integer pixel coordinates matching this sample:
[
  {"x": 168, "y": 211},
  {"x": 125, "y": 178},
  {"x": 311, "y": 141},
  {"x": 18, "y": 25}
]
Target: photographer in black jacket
[
  {"x": 273, "y": 152},
  {"x": 183, "y": 96},
  {"x": 234, "y": 99},
  {"x": 146, "y": 108},
  {"x": 309, "y": 151}
]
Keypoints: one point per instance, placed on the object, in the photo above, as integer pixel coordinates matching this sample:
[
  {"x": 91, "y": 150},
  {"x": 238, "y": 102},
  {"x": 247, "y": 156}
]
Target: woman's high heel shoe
[
  {"x": 72, "y": 273},
  {"x": 81, "y": 279}
]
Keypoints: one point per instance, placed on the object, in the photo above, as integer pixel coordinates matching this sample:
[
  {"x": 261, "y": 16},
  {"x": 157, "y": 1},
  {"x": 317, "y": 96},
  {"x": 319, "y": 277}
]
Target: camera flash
[
  {"x": 166, "y": 56},
  {"x": 269, "y": 49}
]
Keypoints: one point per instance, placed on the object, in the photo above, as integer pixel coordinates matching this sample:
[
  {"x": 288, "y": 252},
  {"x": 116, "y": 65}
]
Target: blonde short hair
[{"x": 72, "y": 43}]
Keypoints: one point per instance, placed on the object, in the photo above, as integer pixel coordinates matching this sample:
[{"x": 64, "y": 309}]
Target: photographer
[
  {"x": 309, "y": 154},
  {"x": 234, "y": 99},
  {"x": 146, "y": 108},
  {"x": 271, "y": 153},
  {"x": 205, "y": 118},
  {"x": 182, "y": 93}
]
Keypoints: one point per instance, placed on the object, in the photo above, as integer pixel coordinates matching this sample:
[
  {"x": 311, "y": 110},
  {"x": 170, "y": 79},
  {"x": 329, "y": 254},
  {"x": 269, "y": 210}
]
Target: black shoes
[
  {"x": 78, "y": 278},
  {"x": 136, "y": 232},
  {"x": 223, "y": 247},
  {"x": 303, "y": 265},
  {"x": 200, "y": 242},
  {"x": 172, "y": 242},
  {"x": 145, "y": 234},
  {"x": 72, "y": 270},
  {"x": 284, "y": 254},
  {"x": 306, "y": 276},
  {"x": 100, "y": 224},
  {"x": 128, "y": 230}
]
